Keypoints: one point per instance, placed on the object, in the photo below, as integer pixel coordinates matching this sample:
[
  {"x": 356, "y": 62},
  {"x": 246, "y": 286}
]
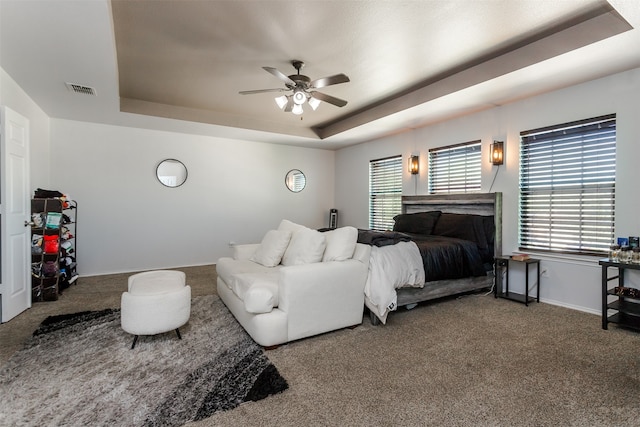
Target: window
[
  {"x": 567, "y": 186},
  {"x": 385, "y": 192},
  {"x": 455, "y": 169}
]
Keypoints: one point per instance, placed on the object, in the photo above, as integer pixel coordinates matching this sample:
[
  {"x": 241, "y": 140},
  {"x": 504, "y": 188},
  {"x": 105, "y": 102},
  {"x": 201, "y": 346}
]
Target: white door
[{"x": 15, "y": 213}]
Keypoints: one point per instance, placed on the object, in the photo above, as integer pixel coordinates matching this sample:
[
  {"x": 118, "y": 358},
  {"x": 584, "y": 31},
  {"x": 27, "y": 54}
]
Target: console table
[
  {"x": 627, "y": 309},
  {"x": 503, "y": 262}
]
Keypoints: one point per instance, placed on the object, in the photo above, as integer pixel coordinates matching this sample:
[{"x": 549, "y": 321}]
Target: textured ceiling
[{"x": 410, "y": 62}]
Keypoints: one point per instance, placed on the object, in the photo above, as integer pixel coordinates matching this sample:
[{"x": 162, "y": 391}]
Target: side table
[
  {"x": 626, "y": 307},
  {"x": 503, "y": 262}
]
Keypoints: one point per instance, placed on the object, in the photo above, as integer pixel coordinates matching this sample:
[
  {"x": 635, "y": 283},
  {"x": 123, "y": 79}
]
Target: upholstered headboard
[{"x": 468, "y": 203}]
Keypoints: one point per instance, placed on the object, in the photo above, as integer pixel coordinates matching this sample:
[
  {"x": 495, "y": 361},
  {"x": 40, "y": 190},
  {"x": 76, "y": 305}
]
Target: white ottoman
[{"x": 156, "y": 302}]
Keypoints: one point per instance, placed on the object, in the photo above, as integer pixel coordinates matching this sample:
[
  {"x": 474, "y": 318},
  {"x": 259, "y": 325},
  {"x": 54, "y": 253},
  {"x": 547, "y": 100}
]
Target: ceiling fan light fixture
[
  {"x": 299, "y": 97},
  {"x": 282, "y": 101},
  {"x": 302, "y": 90},
  {"x": 297, "y": 108},
  {"x": 314, "y": 102}
]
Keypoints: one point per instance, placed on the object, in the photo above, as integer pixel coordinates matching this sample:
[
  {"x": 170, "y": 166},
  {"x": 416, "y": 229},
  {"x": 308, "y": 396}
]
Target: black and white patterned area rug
[{"x": 79, "y": 370}]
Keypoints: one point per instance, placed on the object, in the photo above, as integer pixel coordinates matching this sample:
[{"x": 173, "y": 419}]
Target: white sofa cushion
[
  {"x": 341, "y": 243},
  {"x": 272, "y": 248},
  {"x": 227, "y": 268},
  {"x": 306, "y": 246}
]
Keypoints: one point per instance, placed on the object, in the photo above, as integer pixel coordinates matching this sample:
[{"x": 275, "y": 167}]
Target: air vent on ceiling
[{"x": 86, "y": 90}]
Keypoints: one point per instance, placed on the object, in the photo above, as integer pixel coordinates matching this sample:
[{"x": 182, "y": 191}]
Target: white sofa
[{"x": 297, "y": 283}]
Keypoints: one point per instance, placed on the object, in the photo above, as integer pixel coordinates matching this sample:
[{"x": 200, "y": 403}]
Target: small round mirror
[
  {"x": 171, "y": 172},
  {"x": 295, "y": 180}
]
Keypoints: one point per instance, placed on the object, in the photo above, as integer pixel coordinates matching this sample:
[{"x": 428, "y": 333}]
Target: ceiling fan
[{"x": 303, "y": 89}]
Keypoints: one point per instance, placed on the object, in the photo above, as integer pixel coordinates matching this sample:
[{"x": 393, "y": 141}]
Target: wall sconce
[
  {"x": 414, "y": 165},
  {"x": 496, "y": 150}
]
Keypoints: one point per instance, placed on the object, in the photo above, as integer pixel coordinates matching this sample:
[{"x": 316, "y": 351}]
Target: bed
[{"x": 457, "y": 237}]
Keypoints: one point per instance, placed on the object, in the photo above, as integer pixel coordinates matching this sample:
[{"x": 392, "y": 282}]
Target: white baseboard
[
  {"x": 85, "y": 274},
  {"x": 571, "y": 306}
]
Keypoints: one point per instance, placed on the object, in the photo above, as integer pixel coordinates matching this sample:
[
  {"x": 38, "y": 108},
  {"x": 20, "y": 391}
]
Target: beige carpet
[{"x": 472, "y": 361}]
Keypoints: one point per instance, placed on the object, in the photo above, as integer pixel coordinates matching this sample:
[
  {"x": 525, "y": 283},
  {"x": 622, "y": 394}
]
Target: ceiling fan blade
[
  {"x": 251, "y": 92},
  {"x": 328, "y": 98},
  {"x": 279, "y": 75},
  {"x": 328, "y": 81},
  {"x": 289, "y": 106}
]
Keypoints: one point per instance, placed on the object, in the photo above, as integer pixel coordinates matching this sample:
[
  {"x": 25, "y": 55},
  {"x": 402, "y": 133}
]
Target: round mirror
[
  {"x": 295, "y": 180},
  {"x": 171, "y": 172}
]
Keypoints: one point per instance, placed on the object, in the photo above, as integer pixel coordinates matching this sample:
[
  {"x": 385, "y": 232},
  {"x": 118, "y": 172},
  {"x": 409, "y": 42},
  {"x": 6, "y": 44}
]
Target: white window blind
[
  {"x": 385, "y": 192},
  {"x": 567, "y": 186},
  {"x": 455, "y": 168}
]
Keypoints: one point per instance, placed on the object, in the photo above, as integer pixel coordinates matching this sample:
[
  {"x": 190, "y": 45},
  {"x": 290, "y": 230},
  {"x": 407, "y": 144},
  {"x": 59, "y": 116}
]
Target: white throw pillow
[
  {"x": 341, "y": 244},
  {"x": 306, "y": 246},
  {"x": 287, "y": 225},
  {"x": 272, "y": 248}
]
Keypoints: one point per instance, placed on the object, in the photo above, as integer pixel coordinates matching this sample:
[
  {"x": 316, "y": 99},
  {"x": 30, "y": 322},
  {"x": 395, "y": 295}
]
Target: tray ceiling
[{"x": 410, "y": 62}]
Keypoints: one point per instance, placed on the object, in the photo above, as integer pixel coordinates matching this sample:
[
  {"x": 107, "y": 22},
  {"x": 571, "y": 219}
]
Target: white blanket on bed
[{"x": 392, "y": 267}]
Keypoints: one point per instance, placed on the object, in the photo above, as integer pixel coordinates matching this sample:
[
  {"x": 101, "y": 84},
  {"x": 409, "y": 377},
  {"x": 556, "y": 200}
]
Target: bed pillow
[
  {"x": 341, "y": 244},
  {"x": 489, "y": 229},
  {"x": 272, "y": 248},
  {"x": 416, "y": 223},
  {"x": 306, "y": 246},
  {"x": 462, "y": 226}
]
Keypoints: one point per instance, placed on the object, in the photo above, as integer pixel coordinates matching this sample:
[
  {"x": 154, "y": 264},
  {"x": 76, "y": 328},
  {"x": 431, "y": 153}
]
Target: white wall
[
  {"x": 573, "y": 282},
  {"x": 235, "y": 191},
  {"x": 12, "y": 96}
]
